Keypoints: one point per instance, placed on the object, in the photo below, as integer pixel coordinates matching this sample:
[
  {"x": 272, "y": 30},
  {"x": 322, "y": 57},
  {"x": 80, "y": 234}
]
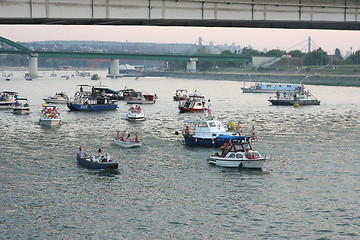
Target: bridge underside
[{"x": 306, "y": 14}]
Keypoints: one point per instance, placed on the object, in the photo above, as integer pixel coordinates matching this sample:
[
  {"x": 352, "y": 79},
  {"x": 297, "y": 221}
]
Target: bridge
[
  {"x": 114, "y": 57},
  {"x": 307, "y": 14}
]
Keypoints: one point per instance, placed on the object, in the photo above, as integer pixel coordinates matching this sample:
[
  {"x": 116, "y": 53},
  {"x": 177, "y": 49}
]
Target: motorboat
[
  {"x": 271, "y": 88},
  {"x": 91, "y": 98},
  {"x": 28, "y": 78},
  {"x": 238, "y": 154},
  {"x": 21, "y": 106},
  {"x": 58, "y": 98},
  {"x": 141, "y": 98},
  {"x": 95, "y": 162},
  {"x": 95, "y": 77},
  {"x": 126, "y": 144},
  {"x": 123, "y": 93},
  {"x": 195, "y": 103},
  {"x": 7, "y": 99},
  {"x": 297, "y": 98},
  {"x": 50, "y": 116},
  {"x": 180, "y": 95},
  {"x": 53, "y": 74},
  {"x": 8, "y": 77},
  {"x": 207, "y": 133},
  {"x": 135, "y": 114}
]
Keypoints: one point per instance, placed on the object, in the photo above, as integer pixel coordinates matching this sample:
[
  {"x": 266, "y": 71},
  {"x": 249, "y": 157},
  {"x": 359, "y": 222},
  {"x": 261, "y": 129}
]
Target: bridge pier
[
  {"x": 191, "y": 65},
  {"x": 33, "y": 66},
  {"x": 114, "y": 69}
]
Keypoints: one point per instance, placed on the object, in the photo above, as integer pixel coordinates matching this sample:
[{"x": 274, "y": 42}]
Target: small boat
[
  {"x": 21, "y": 106},
  {"x": 271, "y": 88},
  {"x": 180, "y": 95},
  {"x": 7, "y": 99},
  {"x": 7, "y": 78},
  {"x": 94, "y": 162},
  {"x": 53, "y": 74},
  {"x": 91, "y": 98},
  {"x": 207, "y": 133},
  {"x": 50, "y": 116},
  {"x": 95, "y": 77},
  {"x": 61, "y": 97},
  {"x": 135, "y": 114},
  {"x": 195, "y": 103},
  {"x": 27, "y": 78},
  {"x": 141, "y": 98},
  {"x": 126, "y": 144},
  {"x": 297, "y": 98},
  {"x": 125, "y": 93},
  {"x": 240, "y": 155}
]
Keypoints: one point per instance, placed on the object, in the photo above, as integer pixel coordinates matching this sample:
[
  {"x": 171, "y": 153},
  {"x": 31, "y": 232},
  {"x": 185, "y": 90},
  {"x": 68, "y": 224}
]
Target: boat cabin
[{"x": 207, "y": 128}]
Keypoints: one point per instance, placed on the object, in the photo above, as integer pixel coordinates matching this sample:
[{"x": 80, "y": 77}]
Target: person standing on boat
[
  {"x": 209, "y": 109},
  {"x": 80, "y": 153},
  {"x": 137, "y": 138},
  {"x": 278, "y": 95},
  {"x": 239, "y": 129},
  {"x": 253, "y": 134}
]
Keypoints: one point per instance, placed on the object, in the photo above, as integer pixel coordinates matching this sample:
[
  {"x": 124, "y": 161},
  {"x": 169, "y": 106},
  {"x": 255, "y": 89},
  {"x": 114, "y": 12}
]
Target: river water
[{"x": 166, "y": 190}]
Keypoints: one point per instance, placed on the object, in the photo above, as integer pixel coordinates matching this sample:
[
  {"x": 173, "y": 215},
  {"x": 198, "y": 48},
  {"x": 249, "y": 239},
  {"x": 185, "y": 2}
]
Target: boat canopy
[
  {"x": 9, "y": 92},
  {"x": 107, "y": 90},
  {"x": 230, "y": 137}
]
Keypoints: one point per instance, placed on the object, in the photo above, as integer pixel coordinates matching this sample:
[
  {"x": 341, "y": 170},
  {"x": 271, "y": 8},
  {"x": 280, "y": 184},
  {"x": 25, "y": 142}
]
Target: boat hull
[
  {"x": 21, "y": 111},
  {"x": 126, "y": 144},
  {"x": 7, "y": 105},
  {"x": 140, "y": 102},
  {"x": 204, "y": 142},
  {"x": 232, "y": 163},
  {"x": 292, "y": 102},
  {"x": 55, "y": 101},
  {"x": 185, "y": 109},
  {"x": 50, "y": 122},
  {"x": 247, "y": 90},
  {"x": 87, "y": 163},
  {"x": 89, "y": 107}
]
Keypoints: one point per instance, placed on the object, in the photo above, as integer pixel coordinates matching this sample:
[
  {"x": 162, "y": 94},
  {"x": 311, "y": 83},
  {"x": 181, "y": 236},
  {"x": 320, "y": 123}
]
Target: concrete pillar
[
  {"x": 33, "y": 67},
  {"x": 191, "y": 65},
  {"x": 114, "y": 68}
]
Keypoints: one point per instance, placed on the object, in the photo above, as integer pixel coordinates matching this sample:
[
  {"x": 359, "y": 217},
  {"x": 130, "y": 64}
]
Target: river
[{"x": 166, "y": 190}]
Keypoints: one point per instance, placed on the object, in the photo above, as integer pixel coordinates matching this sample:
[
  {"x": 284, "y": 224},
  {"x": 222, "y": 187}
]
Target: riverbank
[{"x": 327, "y": 80}]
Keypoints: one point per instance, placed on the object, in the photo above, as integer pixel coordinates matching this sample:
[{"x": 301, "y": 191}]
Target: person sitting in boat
[
  {"x": 123, "y": 139},
  {"x": 137, "y": 138},
  {"x": 249, "y": 155},
  {"x": 81, "y": 153},
  {"x": 17, "y": 104},
  {"x": 129, "y": 139},
  {"x": 99, "y": 154},
  {"x": 239, "y": 129},
  {"x": 187, "y": 131},
  {"x": 118, "y": 135},
  {"x": 225, "y": 148}
]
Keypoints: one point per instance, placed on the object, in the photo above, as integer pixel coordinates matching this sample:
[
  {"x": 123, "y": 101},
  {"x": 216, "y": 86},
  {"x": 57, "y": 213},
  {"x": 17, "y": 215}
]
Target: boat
[
  {"x": 207, "y": 133},
  {"x": 50, "y": 116},
  {"x": 195, "y": 103},
  {"x": 271, "y": 88},
  {"x": 180, "y": 95},
  {"x": 125, "y": 93},
  {"x": 135, "y": 114},
  {"x": 297, "y": 98},
  {"x": 58, "y": 98},
  {"x": 126, "y": 144},
  {"x": 91, "y": 98},
  {"x": 141, "y": 98},
  {"x": 27, "y": 78},
  {"x": 95, "y": 77},
  {"x": 95, "y": 162},
  {"x": 7, "y": 78},
  {"x": 53, "y": 74},
  {"x": 7, "y": 99},
  {"x": 21, "y": 106},
  {"x": 240, "y": 155}
]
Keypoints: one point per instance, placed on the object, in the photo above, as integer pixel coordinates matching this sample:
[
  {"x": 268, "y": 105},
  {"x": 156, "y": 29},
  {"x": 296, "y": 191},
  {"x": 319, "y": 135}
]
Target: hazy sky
[{"x": 258, "y": 38}]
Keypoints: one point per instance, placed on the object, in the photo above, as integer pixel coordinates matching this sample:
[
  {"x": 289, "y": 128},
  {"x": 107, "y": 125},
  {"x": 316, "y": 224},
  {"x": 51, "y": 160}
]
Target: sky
[{"x": 257, "y": 38}]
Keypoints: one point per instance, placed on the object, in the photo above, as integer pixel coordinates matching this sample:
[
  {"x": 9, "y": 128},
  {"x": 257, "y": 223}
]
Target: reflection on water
[{"x": 164, "y": 189}]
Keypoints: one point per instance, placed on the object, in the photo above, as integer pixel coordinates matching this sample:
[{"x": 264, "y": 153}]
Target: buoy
[
  {"x": 176, "y": 133},
  {"x": 231, "y": 125},
  {"x": 296, "y": 104}
]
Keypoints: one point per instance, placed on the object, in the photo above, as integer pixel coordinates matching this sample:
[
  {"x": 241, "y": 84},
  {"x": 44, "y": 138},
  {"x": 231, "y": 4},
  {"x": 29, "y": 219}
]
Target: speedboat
[
  {"x": 123, "y": 93},
  {"x": 271, "y": 88},
  {"x": 91, "y": 98},
  {"x": 195, "y": 103},
  {"x": 297, "y": 98},
  {"x": 61, "y": 97},
  {"x": 180, "y": 95},
  {"x": 21, "y": 106},
  {"x": 141, "y": 98},
  {"x": 95, "y": 162},
  {"x": 126, "y": 144},
  {"x": 207, "y": 133},
  {"x": 50, "y": 116},
  {"x": 239, "y": 155},
  {"x": 7, "y": 99},
  {"x": 135, "y": 114}
]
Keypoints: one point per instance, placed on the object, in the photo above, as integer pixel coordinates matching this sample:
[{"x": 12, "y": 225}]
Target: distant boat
[
  {"x": 271, "y": 88},
  {"x": 95, "y": 77},
  {"x": 291, "y": 99},
  {"x": 94, "y": 162},
  {"x": 7, "y": 99},
  {"x": 61, "y": 97},
  {"x": 21, "y": 106},
  {"x": 126, "y": 144}
]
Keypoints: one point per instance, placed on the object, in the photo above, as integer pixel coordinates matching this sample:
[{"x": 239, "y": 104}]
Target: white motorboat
[
  {"x": 58, "y": 98},
  {"x": 50, "y": 116},
  {"x": 239, "y": 155},
  {"x": 140, "y": 98},
  {"x": 135, "y": 114},
  {"x": 195, "y": 103},
  {"x": 126, "y": 144},
  {"x": 7, "y": 99},
  {"x": 300, "y": 98},
  {"x": 21, "y": 106},
  {"x": 271, "y": 88}
]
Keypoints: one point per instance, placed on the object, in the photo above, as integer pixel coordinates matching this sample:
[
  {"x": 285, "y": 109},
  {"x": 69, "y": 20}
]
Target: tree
[
  {"x": 296, "y": 53},
  {"x": 316, "y": 57},
  {"x": 338, "y": 53},
  {"x": 275, "y": 53},
  {"x": 354, "y": 58}
]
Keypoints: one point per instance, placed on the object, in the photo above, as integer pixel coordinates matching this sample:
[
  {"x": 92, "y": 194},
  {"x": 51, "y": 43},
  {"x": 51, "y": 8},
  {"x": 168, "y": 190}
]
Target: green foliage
[
  {"x": 275, "y": 53},
  {"x": 317, "y": 57},
  {"x": 296, "y": 53},
  {"x": 354, "y": 58}
]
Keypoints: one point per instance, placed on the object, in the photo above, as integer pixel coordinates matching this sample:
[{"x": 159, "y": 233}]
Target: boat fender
[
  {"x": 196, "y": 140},
  {"x": 176, "y": 133}
]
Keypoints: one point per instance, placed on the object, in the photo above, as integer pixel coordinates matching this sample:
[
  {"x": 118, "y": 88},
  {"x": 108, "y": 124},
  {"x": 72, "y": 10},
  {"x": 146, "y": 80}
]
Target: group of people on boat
[
  {"x": 126, "y": 137},
  {"x": 137, "y": 109},
  {"x": 50, "y": 112},
  {"x": 239, "y": 130},
  {"x": 100, "y": 157},
  {"x": 226, "y": 147}
]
